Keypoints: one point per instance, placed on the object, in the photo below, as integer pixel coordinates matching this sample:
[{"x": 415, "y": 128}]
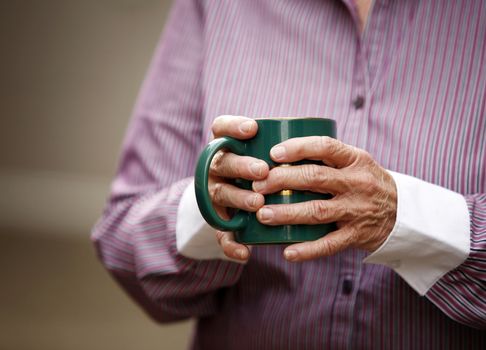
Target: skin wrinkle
[
  {"x": 364, "y": 202},
  {"x": 316, "y": 178},
  {"x": 226, "y": 166},
  {"x": 216, "y": 163}
]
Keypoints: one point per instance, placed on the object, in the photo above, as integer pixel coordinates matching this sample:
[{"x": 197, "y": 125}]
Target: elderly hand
[
  {"x": 364, "y": 203},
  {"x": 226, "y": 166}
]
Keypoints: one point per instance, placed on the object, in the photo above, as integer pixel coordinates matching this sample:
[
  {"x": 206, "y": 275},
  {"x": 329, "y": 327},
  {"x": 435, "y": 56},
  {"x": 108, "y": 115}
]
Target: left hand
[{"x": 364, "y": 204}]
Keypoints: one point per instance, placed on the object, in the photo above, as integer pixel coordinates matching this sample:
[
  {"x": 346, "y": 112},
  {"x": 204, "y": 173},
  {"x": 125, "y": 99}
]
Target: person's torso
[{"x": 411, "y": 92}]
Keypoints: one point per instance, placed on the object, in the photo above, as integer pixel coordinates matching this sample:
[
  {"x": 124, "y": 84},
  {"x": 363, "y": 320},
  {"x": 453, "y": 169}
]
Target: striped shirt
[{"x": 411, "y": 90}]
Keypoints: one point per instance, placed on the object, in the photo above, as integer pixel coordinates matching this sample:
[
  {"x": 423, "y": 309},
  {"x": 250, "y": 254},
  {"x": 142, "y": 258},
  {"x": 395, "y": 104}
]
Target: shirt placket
[
  {"x": 345, "y": 300},
  {"x": 357, "y": 127},
  {"x": 354, "y": 132}
]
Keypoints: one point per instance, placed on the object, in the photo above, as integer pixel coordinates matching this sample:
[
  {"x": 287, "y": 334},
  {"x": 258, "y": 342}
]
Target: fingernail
[
  {"x": 266, "y": 213},
  {"x": 278, "y": 152},
  {"x": 240, "y": 253},
  {"x": 256, "y": 168},
  {"x": 252, "y": 201},
  {"x": 246, "y": 127},
  {"x": 259, "y": 185},
  {"x": 290, "y": 254}
]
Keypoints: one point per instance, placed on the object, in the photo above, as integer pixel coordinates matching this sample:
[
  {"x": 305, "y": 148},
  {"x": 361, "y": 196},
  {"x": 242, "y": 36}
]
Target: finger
[
  {"x": 234, "y": 126},
  {"x": 329, "y": 150},
  {"x": 227, "y": 195},
  {"x": 222, "y": 212},
  {"x": 309, "y": 213},
  {"x": 231, "y": 248},
  {"x": 308, "y": 177},
  {"x": 330, "y": 244},
  {"x": 230, "y": 165}
]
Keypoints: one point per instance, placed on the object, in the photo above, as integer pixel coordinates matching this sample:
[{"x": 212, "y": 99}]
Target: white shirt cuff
[
  {"x": 195, "y": 238},
  {"x": 431, "y": 235}
]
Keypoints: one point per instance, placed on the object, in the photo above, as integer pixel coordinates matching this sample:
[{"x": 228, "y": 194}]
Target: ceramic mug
[{"x": 246, "y": 227}]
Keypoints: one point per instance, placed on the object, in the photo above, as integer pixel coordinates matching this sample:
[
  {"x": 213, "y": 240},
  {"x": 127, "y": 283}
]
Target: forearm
[
  {"x": 135, "y": 238},
  {"x": 136, "y": 242}
]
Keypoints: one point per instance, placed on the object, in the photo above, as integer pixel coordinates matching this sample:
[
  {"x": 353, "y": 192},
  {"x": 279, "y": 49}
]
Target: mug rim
[{"x": 293, "y": 118}]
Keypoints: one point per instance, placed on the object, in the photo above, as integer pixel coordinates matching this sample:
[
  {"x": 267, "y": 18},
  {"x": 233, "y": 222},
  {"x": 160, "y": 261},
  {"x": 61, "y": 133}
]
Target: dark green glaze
[{"x": 247, "y": 228}]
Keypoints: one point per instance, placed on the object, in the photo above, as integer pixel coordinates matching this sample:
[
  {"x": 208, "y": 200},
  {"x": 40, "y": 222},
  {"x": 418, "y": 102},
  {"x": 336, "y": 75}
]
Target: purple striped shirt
[{"x": 410, "y": 90}]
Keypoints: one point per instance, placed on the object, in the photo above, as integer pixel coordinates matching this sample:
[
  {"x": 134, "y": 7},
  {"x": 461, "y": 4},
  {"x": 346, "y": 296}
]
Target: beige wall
[{"x": 69, "y": 74}]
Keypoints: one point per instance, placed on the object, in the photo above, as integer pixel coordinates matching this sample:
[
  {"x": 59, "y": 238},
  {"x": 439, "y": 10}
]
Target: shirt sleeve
[
  {"x": 461, "y": 293},
  {"x": 135, "y": 237},
  {"x": 438, "y": 246}
]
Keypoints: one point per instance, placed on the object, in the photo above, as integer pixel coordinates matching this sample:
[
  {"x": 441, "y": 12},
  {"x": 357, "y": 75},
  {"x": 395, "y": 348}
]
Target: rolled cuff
[{"x": 195, "y": 238}]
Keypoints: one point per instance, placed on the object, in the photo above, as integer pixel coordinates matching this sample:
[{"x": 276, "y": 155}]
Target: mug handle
[{"x": 204, "y": 202}]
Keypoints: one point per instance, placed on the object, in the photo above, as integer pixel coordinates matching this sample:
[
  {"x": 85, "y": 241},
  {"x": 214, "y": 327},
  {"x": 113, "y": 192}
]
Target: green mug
[{"x": 245, "y": 225}]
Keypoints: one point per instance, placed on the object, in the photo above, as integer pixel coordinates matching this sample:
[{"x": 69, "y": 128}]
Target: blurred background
[{"x": 70, "y": 71}]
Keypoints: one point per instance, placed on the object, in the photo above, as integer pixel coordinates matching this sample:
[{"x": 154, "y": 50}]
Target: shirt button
[
  {"x": 358, "y": 102},
  {"x": 347, "y": 287}
]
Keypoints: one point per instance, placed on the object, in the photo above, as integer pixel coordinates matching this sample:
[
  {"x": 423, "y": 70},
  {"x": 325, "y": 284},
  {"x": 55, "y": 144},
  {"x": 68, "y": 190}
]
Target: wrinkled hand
[
  {"x": 364, "y": 203},
  {"x": 226, "y": 166}
]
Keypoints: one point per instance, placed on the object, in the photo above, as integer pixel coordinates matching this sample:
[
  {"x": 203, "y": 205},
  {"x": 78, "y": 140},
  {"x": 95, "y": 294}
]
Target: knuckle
[
  {"x": 331, "y": 147},
  {"x": 347, "y": 184},
  {"x": 217, "y": 162},
  {"x": 317, "y": 210},
  {"x": 283, "y": 213},
  {"x": 360, "y": 178},
  {"x": 362, "y": 153},
  {"x": 368, "y": 178},
  {"x": 322, "y": 247},
  {"x": 310, "y": 174},
  {"x": 368, "y": 183},
  {"x": 329, "y": 246},
  {"x": 364, "y": 156},
  {"x": 316, "y": 250},
  {"x": 277, "y": 176},
  {"x": 328, "y": 143},
  {"x": 353, "y": 237},
  {"x": 346, "y": 212},
  {"x": 216, "y": 192}
]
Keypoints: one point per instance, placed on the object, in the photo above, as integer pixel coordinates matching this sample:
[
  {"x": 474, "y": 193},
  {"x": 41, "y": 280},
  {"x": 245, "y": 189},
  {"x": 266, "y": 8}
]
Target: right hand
[{"x": 226, "y": 166}]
